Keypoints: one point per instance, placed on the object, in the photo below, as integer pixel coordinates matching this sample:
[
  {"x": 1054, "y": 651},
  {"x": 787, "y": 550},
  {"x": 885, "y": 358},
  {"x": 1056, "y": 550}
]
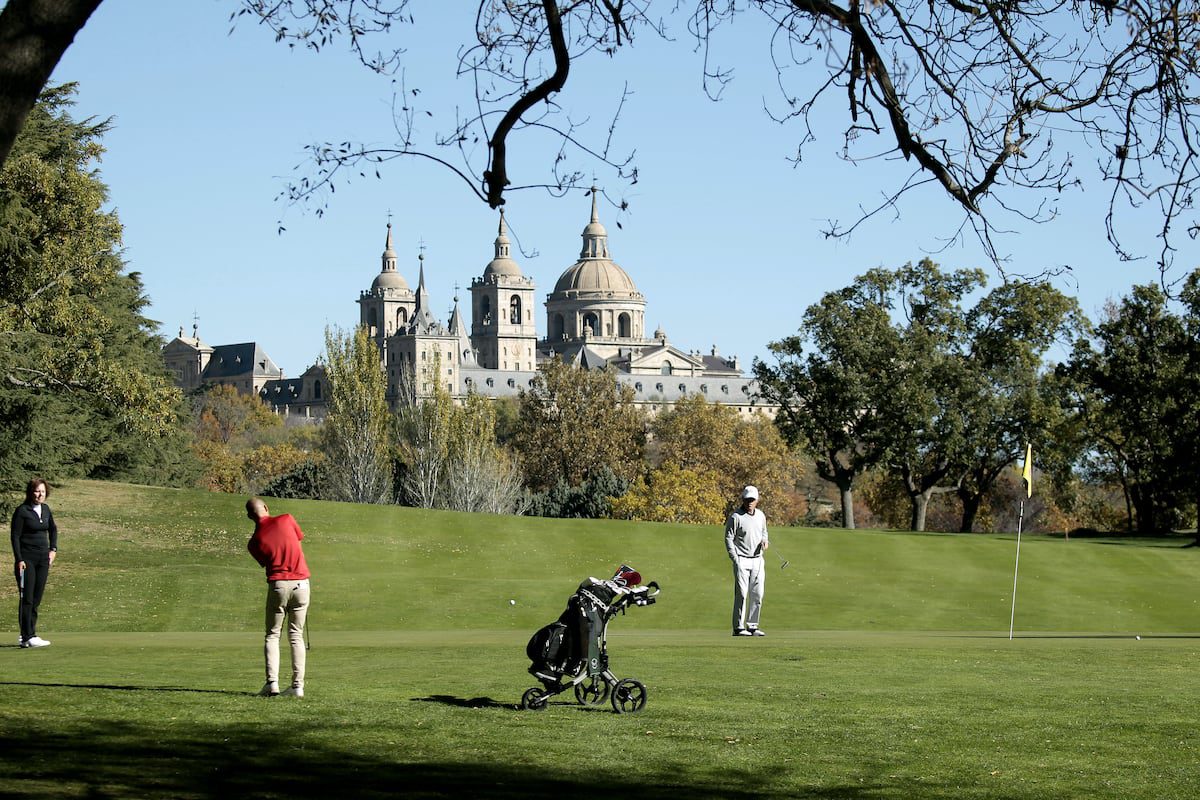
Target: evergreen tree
[{"x": 82, "y": 387}]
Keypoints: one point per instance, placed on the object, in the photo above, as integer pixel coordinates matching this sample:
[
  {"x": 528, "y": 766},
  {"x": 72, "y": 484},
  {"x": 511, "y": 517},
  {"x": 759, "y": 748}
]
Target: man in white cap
[{"x": 745, "y": 541}]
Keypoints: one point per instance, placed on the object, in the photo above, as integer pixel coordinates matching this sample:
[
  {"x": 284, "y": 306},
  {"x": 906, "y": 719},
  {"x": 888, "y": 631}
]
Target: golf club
[{"x": 784, "y": 560}]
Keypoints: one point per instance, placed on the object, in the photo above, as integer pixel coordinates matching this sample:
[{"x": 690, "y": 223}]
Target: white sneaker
[
  {"x": 269, "y": 690},
  {"x": 36, "y": 641},
  {"x": 294, "y": 691}
]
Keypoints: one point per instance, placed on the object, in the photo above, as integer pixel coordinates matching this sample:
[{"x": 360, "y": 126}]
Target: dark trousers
[{"x": 37, "y": 569}]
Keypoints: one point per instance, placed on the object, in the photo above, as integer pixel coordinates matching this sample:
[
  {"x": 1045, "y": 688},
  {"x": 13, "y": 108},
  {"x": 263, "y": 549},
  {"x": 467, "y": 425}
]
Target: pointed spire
[
  {"x": 595, "y": 237},
  {"x": 502, "y": 242},
  {"x": 389, "y": 252}
]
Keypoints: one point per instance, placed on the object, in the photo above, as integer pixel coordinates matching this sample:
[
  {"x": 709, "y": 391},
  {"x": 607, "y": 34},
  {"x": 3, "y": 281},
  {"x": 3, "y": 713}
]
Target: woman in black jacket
[{"x": 34, "y": 546}]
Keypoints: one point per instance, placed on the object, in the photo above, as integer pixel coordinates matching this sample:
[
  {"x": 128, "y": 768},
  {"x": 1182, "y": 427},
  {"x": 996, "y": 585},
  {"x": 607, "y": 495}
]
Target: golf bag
[
  {"x": 571, "y": 653},
  {"x": 576, "y": 637}
]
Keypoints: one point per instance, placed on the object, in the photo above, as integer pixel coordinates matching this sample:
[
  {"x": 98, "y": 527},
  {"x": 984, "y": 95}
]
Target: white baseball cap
[{"x": 750, "y": 493}]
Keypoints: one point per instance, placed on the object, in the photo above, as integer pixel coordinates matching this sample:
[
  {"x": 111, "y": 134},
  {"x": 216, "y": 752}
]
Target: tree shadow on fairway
[
  {"x": 111, "y": 759},
  {"x": 120, "y": 688}
]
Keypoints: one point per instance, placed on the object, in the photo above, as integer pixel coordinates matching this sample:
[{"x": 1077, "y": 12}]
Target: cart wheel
[
  {"x": 628, "y": 697},
  {"x": 533, "y": 700},
  {"x": 592, "y": 692}
]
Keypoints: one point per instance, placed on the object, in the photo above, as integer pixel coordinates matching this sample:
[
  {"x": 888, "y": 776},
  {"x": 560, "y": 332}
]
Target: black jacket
[{"x": 31, "y": 534}]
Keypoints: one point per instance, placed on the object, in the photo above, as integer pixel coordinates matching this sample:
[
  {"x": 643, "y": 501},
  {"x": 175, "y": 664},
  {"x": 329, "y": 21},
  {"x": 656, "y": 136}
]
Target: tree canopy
[
  {"x": 573, "y": 423},
  {"x": 74, "y": 343}
]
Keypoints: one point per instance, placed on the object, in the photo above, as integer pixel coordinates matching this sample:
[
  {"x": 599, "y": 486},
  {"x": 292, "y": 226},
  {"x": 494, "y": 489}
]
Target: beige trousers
[{"x": 286, "y": 600}]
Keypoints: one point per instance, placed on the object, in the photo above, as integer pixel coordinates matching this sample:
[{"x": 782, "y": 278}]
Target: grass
[{"x": 887, "y": 673}]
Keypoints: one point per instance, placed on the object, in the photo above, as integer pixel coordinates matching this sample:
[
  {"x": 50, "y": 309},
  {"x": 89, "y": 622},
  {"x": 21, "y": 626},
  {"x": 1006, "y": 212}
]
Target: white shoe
[
  {"x": 293, "y": 691},
  {"x": 36, "y": 641},
  {"x": 269, "y": 690}
]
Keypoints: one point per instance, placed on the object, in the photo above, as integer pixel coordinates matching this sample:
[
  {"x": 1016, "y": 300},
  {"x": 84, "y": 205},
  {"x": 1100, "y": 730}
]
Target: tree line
[{"x": 907, "y": 396}]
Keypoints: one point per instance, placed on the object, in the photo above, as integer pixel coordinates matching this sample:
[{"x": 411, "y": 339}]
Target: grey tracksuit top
[{"x": 745, "y": 534}]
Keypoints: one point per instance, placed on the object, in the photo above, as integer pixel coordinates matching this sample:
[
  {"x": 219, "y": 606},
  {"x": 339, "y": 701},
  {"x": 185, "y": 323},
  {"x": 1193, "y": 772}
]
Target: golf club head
[{"x": 784, "y": 565}]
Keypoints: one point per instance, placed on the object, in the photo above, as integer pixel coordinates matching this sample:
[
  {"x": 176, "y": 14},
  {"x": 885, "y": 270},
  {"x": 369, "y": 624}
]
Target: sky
[{"x": 723, "y": 234}]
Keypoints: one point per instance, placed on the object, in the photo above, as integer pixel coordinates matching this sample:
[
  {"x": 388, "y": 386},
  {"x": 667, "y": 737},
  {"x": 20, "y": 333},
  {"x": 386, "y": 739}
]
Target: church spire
[
  {"x": 502, "y": 242},
  {"x": 595, "y": 237},
  {"x": 389, "y": 253}
]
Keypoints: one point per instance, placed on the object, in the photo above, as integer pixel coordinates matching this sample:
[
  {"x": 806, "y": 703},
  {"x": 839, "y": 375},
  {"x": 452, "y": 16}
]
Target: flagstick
[{"x": 1016, "y": 564}]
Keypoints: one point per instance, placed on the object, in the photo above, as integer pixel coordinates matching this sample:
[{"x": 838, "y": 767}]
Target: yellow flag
[{"x": 1027, "y": 471}]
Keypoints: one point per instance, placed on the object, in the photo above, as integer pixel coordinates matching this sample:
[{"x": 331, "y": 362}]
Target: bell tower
[{"x": 503, "y": 331}]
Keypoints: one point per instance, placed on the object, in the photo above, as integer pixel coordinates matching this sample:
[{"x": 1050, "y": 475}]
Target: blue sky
[{"x": 723, "y": 235}]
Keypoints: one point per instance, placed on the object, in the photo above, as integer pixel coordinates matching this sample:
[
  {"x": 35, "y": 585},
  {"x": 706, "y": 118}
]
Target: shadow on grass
[
  {"x": 121, "y": 688},
  {"x": 462, "y": 702},
  {"x": 113, "y": 759}
]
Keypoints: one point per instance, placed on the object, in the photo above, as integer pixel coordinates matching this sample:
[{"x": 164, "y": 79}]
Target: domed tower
[
  {"x": 388, "y": 305},
  {"x": 503, "y": 331},
  {"x": 595, "y": 300}
]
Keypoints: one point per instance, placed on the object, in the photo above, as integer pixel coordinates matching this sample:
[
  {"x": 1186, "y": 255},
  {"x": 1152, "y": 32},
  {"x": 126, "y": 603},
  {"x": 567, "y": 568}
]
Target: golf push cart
[{"x": 572, "y": 652}]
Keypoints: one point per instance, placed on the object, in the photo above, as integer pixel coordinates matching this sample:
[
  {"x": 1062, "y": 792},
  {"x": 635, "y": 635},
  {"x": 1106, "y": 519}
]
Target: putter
[{"x": 784, "y": 560}]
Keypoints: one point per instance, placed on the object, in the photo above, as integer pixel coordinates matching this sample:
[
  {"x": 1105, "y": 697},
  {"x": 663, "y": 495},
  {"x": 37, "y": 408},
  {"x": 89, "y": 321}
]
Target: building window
[
  {"x": 666, "y": 368},
  {"x": 514, "y": 310},
  {"x": 485, "y": 310},
  {"x": 556, "y": 328},
  {"x": 624, "y": 327},
  {"x": 316, "y": 390}
]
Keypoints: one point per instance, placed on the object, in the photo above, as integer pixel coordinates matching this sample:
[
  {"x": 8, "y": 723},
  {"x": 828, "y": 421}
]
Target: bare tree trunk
[{"x": 34, "y": 34}]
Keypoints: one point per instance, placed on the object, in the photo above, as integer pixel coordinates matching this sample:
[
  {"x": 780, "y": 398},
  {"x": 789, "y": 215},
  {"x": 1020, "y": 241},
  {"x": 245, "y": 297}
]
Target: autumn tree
[
  {"x": 357, "y": 437},
  {"x": 574, "y": 422},
  {"x": 672, "y": 493},
  {"x": 228, "y": 428},
  {"x": 713, "y": 440}
]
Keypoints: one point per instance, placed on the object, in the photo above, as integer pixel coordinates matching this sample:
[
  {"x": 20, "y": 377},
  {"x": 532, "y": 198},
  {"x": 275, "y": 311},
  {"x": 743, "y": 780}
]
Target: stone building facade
[{"x": 595, "y": 319}]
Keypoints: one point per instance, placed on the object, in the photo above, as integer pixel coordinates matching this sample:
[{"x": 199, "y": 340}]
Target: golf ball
[
  {"x": 1138, "y": 638},
  {"x": 514, "y": 602}
]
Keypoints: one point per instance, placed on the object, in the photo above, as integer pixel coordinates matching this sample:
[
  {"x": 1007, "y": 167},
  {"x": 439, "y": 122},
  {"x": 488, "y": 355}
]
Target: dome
[
  {"x": 595, "y": 271},
  {"x": 389, "y": 279},
  {"x": 595, "y": 275},
  {"x": 502, "y": 265}
]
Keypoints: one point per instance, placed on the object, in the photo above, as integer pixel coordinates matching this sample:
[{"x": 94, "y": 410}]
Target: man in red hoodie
[{"x": 276, "y": 546}]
